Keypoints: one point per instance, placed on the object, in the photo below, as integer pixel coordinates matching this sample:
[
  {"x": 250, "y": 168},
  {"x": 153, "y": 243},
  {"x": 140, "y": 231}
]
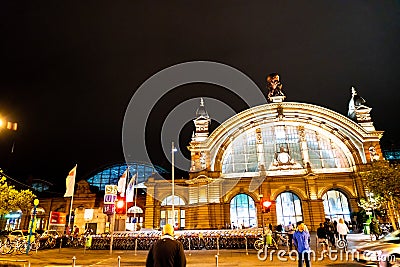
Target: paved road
[{"x": 234, "y": 258}]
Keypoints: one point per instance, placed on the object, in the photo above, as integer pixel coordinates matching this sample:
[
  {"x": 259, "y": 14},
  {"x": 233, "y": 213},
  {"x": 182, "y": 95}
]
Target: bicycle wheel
[
  {"x": 258, "y": 245},
  {"x": 51, "y": 242},
  {"x": 6, "y": 247},
  {"x": 22, "y": 246}
]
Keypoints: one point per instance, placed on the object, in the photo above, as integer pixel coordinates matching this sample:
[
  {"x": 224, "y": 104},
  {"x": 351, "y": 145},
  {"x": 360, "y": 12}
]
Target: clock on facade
[{"x": 283, "y": 157}]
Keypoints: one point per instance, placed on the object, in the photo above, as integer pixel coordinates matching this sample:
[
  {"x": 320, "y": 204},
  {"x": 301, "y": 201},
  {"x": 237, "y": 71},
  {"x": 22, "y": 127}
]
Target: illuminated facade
[
  {"x": 302, "y": 157},
  {"x": 87, "y": 206}
]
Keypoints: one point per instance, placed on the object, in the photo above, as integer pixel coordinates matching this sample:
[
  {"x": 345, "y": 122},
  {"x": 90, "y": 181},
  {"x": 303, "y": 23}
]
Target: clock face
[{"x": 283, "y": 157}]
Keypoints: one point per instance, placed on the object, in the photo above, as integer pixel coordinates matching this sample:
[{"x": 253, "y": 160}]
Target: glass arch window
[
  {"x": 135, "y": 209},
  {"x": 243, "y": 211},
  {"x": 168, "y": 201},
  {"x": 288, "y": 208},
  {"x": 243, "y": 154},
  {"x": 111, "y": 174},
  {"x": 336, "y": 205}
]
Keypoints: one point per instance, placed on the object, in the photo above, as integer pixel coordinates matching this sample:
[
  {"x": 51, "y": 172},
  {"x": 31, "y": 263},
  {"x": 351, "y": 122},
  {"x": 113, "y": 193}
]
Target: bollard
[
  {"x": 119, "y": 261},
  {"x": 217, "y": 246},
  {"x": 136, "y": 246},
  {"x": 216, "y": 260},
  {"x": 59, "y": 250},
  {"x": 73, "y": 261},
  {"x": 247, "y": 252}
]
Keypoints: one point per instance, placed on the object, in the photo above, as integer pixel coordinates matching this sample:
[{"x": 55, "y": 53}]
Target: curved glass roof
[
  {"x": 110, "y": 174},
  {"x": 246, "y": 154}
]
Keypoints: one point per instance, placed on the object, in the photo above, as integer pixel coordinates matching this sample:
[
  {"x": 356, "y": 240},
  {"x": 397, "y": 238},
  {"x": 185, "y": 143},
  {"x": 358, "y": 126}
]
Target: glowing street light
[{"x": 9, "y": 125}]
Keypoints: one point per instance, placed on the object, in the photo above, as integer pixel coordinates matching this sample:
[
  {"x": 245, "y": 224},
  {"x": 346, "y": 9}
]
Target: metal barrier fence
[{"x": 191, "y": 240}]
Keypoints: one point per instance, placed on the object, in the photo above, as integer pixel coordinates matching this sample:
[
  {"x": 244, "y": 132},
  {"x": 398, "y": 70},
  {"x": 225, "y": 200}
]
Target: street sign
[
  {"x": 109, "y": 199},
  {"x": 109, "y": 209},
  {"x": 111, "y": 189}
]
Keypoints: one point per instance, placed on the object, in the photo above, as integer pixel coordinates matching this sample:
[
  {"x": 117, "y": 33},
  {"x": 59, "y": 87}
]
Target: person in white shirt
[{"x": 342, "y": 229}]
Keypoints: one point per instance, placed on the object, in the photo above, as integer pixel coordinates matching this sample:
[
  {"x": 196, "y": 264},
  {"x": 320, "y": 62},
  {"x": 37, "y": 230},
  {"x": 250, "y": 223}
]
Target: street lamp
[
  {"x": 8, "y": 125},
  {"x": 35, "y": 204},
  {"x": 173, "y": 150}
]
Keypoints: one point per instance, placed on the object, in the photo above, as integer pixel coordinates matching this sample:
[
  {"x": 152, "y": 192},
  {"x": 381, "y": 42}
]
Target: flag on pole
[
  {"x": 70, "y": 182},
  {"x": 130, "y": 189},
  {"x": 122, "y": 183}
]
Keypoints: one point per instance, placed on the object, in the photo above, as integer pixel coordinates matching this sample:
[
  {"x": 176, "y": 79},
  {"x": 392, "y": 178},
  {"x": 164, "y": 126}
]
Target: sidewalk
[{"x": 197, "y": 258}]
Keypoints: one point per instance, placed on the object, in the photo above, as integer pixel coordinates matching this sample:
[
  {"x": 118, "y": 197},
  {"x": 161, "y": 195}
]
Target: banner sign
[{"x": 59, "y": 218}]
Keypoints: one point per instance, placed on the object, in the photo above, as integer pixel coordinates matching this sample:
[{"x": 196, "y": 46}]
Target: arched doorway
[
  {"x": 166, "y": 212},
  {"x": 134, "y": 218},
  {"x": 336, "y": 205},
  {"x": 288, "y": 208},
  {"x": 243, "y": 212}
]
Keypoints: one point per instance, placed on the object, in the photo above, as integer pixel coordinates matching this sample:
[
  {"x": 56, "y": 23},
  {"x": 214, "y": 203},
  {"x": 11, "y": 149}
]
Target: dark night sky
[{"x": 70, "y": 68}]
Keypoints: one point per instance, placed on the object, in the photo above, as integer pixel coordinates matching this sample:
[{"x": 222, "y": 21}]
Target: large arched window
[
  {"x": 244, "y": 154},
  {"x": 243, "y": 211},
  {"x": 336, "y": 205},
  {"x": 288, "y": 208}
]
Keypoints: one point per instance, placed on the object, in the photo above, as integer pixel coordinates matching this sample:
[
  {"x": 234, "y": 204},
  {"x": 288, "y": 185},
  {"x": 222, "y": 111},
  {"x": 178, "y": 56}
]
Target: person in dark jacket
[
  {"x": 166, "y": 252},
  {"x": 322, "y": 237}
]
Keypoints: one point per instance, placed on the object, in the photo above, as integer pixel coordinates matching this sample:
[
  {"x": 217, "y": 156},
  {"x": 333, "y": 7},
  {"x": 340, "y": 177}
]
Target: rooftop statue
[
  {"x": 274, "y": 87},
  {"x": 356, "y": 102}
]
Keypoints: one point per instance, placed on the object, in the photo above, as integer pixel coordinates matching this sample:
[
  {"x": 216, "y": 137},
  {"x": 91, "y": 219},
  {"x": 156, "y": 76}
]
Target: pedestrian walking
[
  {"x": 322, "y": 237},
  {"x": 301, "y": 239},
  {"x": 330, "y": 231},
  {"x": 342, "y": 229},
  {"x": 166, "y": 252},
  {"x": 290, "y": 231},
  {"x": 374, "y": 228}
]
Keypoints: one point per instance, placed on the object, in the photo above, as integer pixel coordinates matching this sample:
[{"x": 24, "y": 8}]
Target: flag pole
[
  {"x": 126, "y": 185},
  {"x": 72, "y": 201},
  {"x": 70, "y": 214},
  {"x": 135, "y": 192}
]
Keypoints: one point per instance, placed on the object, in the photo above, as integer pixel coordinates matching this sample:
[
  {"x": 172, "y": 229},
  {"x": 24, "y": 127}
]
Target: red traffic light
[
  {"x": 120, "y": 206},
  {"x": 265, "y": 206}
]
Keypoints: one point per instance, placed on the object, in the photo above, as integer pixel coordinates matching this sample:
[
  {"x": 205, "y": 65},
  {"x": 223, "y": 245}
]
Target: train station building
[{"x": 303, "y": 158}]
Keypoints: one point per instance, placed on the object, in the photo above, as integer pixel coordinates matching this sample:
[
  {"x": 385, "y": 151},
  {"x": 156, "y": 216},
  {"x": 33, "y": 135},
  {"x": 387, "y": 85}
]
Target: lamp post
[
  {"x": 9, "y": 125},
  {"x": 173, "y": 150},
  {"x": 35, "y": 204}
]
